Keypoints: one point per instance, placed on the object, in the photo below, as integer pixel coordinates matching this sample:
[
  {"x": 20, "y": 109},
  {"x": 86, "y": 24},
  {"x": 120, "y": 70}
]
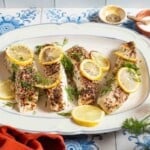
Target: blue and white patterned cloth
[{"x": 11, "y": 19}]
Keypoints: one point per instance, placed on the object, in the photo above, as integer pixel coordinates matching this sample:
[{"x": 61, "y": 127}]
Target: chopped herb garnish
[
  {"x": 26, "y": 85},
  {"x": 21, "y": 58},
  {"x": 72, "y": 92},
  {"x": 137, "y": 127},
  {"x": 66, "y": 62},
  {"x": 66, "y": 114}
]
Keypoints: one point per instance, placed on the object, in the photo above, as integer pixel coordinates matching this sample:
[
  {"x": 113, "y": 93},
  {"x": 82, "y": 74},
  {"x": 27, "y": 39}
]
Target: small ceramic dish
[
  {"x": 143, "y": 28},
  {"x": 112, "y": 14}
]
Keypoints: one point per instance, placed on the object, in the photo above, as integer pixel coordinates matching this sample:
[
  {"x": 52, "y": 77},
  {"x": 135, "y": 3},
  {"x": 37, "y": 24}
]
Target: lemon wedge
[
  {"x": 50, "y": 54},
  {"x": 19, "y": 54},
  {"x": 102, "y": 61},
  {"x": 87, "y": 115},
  {"x": 90, "y": 69},
  {"x": 128, "y": 79},
  {"x": 6, "y": 90}
]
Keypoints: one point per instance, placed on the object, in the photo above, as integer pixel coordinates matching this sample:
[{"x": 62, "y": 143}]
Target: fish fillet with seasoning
[
  {"x": 26, "y": 95},
  {"x": 111, "y": 95},
  {"x": 87, "y": 88},
  {"x": 56, "y": 95}
]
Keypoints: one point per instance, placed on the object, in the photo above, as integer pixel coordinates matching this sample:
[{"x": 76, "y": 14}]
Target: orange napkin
[{"x": 13, "y": 139}]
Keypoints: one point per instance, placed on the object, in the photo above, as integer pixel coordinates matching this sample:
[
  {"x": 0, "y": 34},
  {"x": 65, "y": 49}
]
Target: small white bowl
[{"x": 112, "y": 14}]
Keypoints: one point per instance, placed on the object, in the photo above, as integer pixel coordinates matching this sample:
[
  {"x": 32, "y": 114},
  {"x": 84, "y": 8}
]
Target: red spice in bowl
[{"x": 142, "y": 28}]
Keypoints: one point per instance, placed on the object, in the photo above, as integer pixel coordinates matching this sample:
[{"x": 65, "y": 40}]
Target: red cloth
[{"x": 13, "y": 139}]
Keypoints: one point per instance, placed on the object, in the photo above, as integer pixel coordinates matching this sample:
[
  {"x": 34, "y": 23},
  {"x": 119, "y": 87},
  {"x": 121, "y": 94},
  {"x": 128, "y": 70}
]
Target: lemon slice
[
  {"x": 19, "y": 54},
  {"x": 87, "y": 115},
  {"x": 50, "y": 54},
  {"x": 126, "y": 57},
  {"x": 128, "y": 79},
  {"x": 90, "y": 69},
  {"x": 102, "y": 61},
  {"x": 127, "y": 52},
  {"x": 6, "y": 90}
]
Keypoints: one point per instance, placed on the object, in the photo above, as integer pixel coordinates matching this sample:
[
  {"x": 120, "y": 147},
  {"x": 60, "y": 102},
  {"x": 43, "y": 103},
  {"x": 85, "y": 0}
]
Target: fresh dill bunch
[{"x": 137, "y": 127}]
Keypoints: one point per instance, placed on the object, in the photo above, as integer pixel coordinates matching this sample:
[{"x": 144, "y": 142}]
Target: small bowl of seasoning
[
  {"x": 144, "y": 27},
  {"x": 112, "y": 14}
]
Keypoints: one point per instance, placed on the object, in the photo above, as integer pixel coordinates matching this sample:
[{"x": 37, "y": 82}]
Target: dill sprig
[
  {"x": 66, "y": 62},
  {"x": 11, "y": 104},
  {"x": 132, "y": 66},
  {"x": 137, "y": 127},
  {"x": 72, "y": 93},
  {"x": 38, "y": 49},
  {"x": 65, "y": 41},
  {"x": 41, "y": 79},
  {"x": 65, "y": 114},
  {"x": 14, "y": 70},
  {"x": 77, "y": 56},
  {"x": 108, "y": 86}
]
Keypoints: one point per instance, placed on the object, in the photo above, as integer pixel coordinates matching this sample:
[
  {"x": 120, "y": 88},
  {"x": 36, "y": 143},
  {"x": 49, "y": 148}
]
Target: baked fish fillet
[
  {"x": 26, "y": 94},
  {"x": 111, "y": 95},
  {"x": 22, "y": 76},
  {"x": 87, "y": 88},
  {"x": 56, "y": 96}
]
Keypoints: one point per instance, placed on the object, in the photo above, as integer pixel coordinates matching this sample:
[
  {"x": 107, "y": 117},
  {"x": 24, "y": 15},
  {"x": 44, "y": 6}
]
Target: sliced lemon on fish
[
  {"x": 87, "y": 115},
  {"x": 6, "y": 90},
  {"x": 50, "y": 54},
  {"x": 127, "y": 52},
  {"x": 103, "y": 62},
  {"x": 90, "y": 69},
  {"x": 128, "y": 79},
  {"x": 19, "y": 54}
]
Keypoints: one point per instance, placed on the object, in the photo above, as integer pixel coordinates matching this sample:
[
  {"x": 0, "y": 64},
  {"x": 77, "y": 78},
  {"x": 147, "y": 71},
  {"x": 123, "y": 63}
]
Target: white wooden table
[{"x": 18, "y": 17}]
